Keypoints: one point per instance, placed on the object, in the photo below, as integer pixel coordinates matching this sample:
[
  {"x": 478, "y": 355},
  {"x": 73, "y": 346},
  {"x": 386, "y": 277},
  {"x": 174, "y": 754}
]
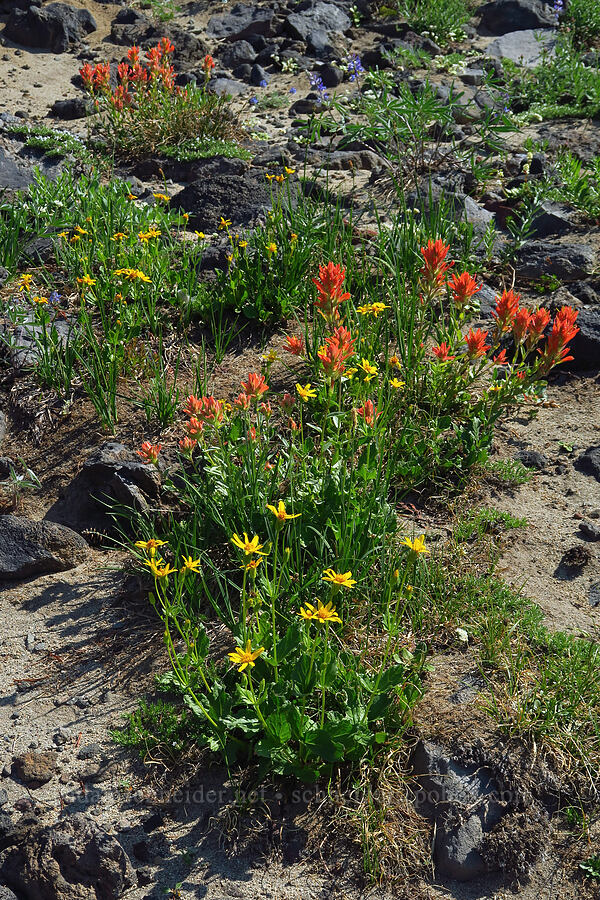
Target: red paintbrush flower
[
  {"x": 475, "y": 341},
  {"x": 256, "y": 386},
  {"x": 507, "y": 306},
  {"x": 463, "y": 287},
  {"x": 442, "y": 351}
]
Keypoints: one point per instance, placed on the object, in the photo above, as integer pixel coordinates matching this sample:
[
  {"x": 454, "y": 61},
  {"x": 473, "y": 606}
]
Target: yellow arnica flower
[
  {"x": 63, "y": 234},
  {"x": 339, "y": 579},
  {"x": 242, "y": 244},
  {"x": 306, "y": 392},
  {"x": 247, "y": 545},
  {"x": 271, "y": 248},
  {"x": 132, "y": 274},
  {"x": 150, "y": 546},
  {"x": 154, "y": 564},
  {"x": 320, "y": 613},
  {"x": 87, "y": 279},
  {"x": 269, "y": 177},
  {"x": 224, "y": 223},
  {"x": 245, "y": 657},
  {"x": 200, "y": 234},
  {"x": 289, "y": 171},
  {"x": 190, "y": 565},
  {"x": 396, "y": 383},
  {"x": 40, "y": 300},
  {"x": 118, "y": 236},
  {"x": 80, "y": 230},
  {"x": 279, "y": 512},
  {"x": 394, "y": 361},
  {"x": 369, "y": 369},
  {"x": 416, "y": 546},
  {"x": 253, "y": 565},
  {"x": 162, "y": 197},
  {"x": 372, "y": 309}
]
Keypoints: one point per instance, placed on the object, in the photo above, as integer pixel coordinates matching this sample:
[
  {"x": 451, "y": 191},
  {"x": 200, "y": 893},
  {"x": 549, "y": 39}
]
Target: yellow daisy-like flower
[
  {"x": 63, "y": 234},
  {"x": 244, "y": 657},
  {"x": 339, "y": 579},
  {"x": 369, "y": 369},
  {"x": 224, "y": 223},
  {"x": 271, "y": 248},
  {"x": 394, "y": 361},
  {"x": 269, "y": 177},
  {"x": 242, "y": 244},
  {"x": 87, "y": 280},
  {"x": 289, "y": 171},
  {"x": 280, "y": 179},
  {"x": 80, "y": 230},
  {"x": 25, "y": 281},
  {"x": 75, "y": 238},
  {"x": 150, "y": 546},
  {"x": 190, "y": 565},
  {"x": 132, "y": 274},
  {"x": 280, "y": 514},
  {"x": 253, "y": 565},
  {"x": 163, "y": 198},
  {"x": 247, "y": 545},
  {"x": 396, "y": 383},
  {"x": 200, "y": 235},
  {"x": 40, "y": 300},
  {"x": 154, "y": 564},
  {"x": 118, "y": 236},
  {"x": 320, "y": 613},
  {"x": 306, "y": 392},
  {"x": 417, "y": 546},
  {"x": 293, "y": 239}
]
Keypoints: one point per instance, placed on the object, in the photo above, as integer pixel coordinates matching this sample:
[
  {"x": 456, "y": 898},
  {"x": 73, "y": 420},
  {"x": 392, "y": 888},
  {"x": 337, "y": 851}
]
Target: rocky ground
[{"x": 79, "y": 818}]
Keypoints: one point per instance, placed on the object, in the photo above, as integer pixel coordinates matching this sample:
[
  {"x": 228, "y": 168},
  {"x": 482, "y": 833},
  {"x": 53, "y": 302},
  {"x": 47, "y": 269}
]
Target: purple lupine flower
[
  {"x": 54, "y": 297},
  {"x": 355, "y": 67},
  {"x": 316, "y": 83},
  {"x": 558, "y": 9},
  {"x": 263, "y": 83}
]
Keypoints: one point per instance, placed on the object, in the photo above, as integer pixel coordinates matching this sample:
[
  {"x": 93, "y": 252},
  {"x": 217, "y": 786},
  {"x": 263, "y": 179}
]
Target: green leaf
[{"x": 279, "y": 727}]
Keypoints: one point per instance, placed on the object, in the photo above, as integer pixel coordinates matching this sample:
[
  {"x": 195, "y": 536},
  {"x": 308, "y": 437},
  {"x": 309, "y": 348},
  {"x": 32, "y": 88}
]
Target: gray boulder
[
  {"x": 318, "y": 17},
  {"x": 74, "y": 859},
  {"x": 464, "y": 803},
  {"x": 241, "y": 22},
  {"x": 527, "y": 48},
  {"x": 585, "y": 346},
  {"x": 29, "y": 548},
  {"x": 502, "y": 16},
  {"x": 568, "y": 262}
]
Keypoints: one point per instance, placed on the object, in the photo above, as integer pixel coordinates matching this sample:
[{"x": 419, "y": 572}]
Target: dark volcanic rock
[
  {"x": 568, "y": 262},
  {"x": 52, "y": 27},
  {"x": 237, "y": 54},
  {"x": 532, "y": 459},
  {"x": 111, "y": 473},
  {"x": 73, "y": 108},
  {"x": 242, "y": 21},
  {"x": 502, "y": 16},
  {"x": 74, "y": 859},
  {"x": 585, "y": 346},
  {"x": 30, "y": 548},
  {"x": 589, "y": 462},
  {"x": 226, "y": 188}
]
